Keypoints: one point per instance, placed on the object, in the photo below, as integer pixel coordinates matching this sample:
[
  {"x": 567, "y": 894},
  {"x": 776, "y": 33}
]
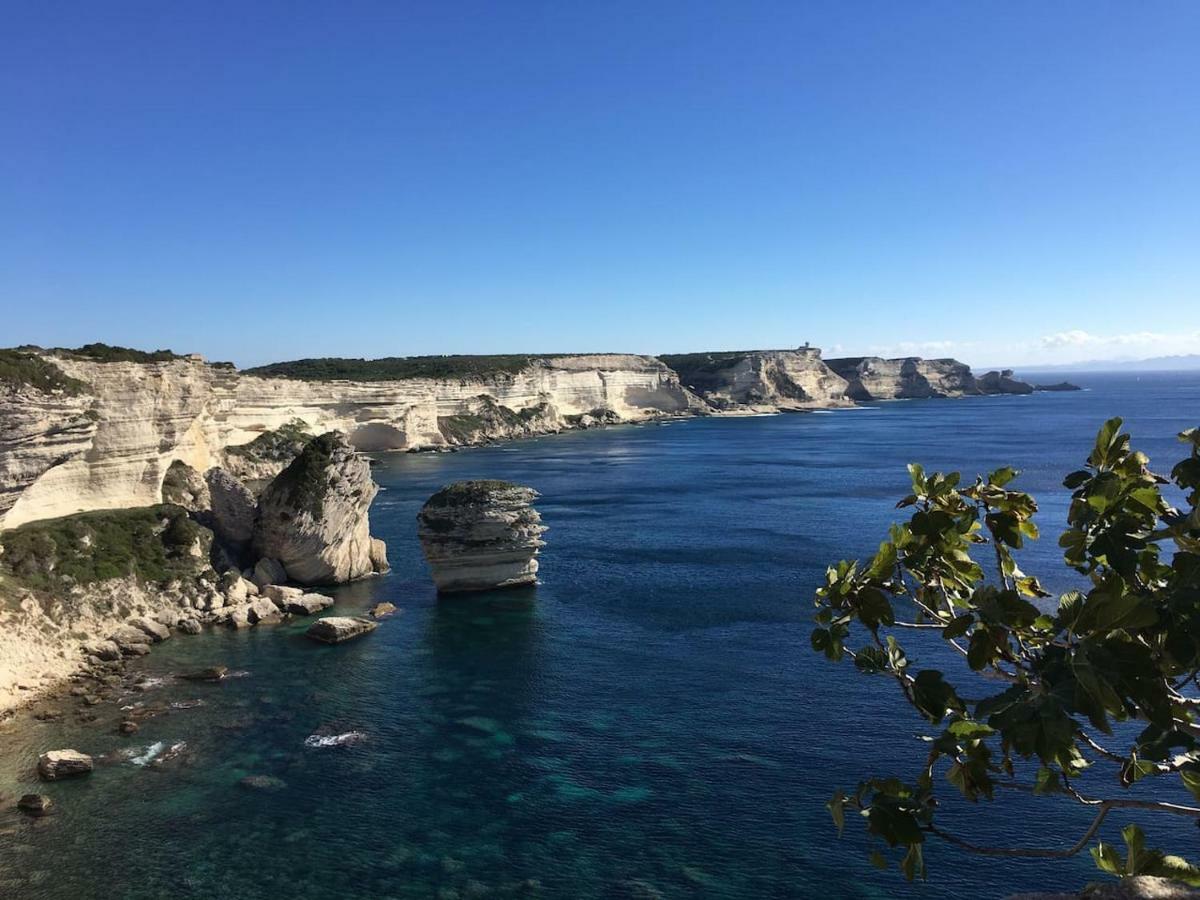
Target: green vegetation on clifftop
[
  {"x": 20, "y": 368},
  {"x": 154, "y": 543},
  {"x": 395, "y": 368}
]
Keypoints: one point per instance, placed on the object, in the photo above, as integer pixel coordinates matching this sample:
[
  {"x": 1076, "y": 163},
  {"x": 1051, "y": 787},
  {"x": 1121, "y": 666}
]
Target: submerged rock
[
  {"x": 335, "y": 629},
  {"x": 35, "y": 804},
  {"x": 479, "y": 535},
  {"x": 263, "y": 783},
  {"x": 313, "y": 517},
  {"x": 56, "y": 764},
  {"x": 212, "y": 673}
]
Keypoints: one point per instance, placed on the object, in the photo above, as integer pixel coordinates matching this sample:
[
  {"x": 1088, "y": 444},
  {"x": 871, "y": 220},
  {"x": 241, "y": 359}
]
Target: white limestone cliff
[
  {"x": 111, "y": 445},
  {"x": 762, "y": 380}
]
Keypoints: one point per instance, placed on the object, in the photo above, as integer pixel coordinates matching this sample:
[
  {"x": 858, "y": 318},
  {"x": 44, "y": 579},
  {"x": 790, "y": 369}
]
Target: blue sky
[{"x": 1004, "y": 182}]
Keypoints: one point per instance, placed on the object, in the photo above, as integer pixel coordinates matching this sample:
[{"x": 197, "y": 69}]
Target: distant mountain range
[{"x": 1186, "y": 362}]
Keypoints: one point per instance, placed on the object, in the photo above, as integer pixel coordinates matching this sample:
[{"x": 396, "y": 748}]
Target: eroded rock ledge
[{"x": 480, "y": 535}]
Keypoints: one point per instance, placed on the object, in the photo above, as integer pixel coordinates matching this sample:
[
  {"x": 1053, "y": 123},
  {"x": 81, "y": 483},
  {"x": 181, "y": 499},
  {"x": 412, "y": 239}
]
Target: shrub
[{"x": 1125, "y": 647}]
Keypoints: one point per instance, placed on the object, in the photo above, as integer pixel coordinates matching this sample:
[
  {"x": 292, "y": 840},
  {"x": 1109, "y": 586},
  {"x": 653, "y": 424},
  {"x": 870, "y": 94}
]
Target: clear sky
[{"x": 1002, "y": 181}]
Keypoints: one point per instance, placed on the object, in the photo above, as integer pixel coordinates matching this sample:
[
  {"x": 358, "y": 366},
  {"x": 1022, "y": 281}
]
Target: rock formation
[
  {"x": 479, "y": 535},
  {"x": 56, "y": 764},
  {"x": 761, "y": 379},
  {"x": 336, "y": 629},
  {"x": 1002, "y": 383},
  {"x": 313, "y": 517},
  {"x": 110, "y": 440},
  {"x": 874, "y": 378}
]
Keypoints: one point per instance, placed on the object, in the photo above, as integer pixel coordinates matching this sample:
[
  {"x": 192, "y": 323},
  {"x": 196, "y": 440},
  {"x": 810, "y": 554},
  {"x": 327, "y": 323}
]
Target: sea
[{"x": 649, "y": 721}]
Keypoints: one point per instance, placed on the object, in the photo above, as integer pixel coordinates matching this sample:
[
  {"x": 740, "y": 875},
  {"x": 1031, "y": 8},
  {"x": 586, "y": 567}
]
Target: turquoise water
[{"x": 649, "y": 718}]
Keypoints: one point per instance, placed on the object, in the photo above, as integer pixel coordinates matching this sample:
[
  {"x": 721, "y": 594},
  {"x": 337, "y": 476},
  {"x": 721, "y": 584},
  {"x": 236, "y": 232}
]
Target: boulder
[
  {"x": 307, "y": 604},
  {"x": 377, "y": 553},
  {"x": 128, "y": 635},
  {"x": 212, "y": 673},
  {"x": 380, "y": 610},
  {"x": 184, "y": 486},
  {"x": 35, "y": 804},
  {"x": 188, "y": 626},
  {"x": 268, "y": 571},
  {"x": 56, "y": 764},
  {"x": 107, "y": 651},
  {"x": 156, "y": 631},
  {"x": 233, "y": 508},
  {"x": 280, "y": 595},
  {"x": 263, "y": 611},
  {"x": 312, "y": 517},
  {"x": 335, "y": 629},
  {"x": 479, "y": 535},
  {"x": 239, "y": 617},
  {"x": 236, "y": 588},
  {"x": 128, "y": 727}
]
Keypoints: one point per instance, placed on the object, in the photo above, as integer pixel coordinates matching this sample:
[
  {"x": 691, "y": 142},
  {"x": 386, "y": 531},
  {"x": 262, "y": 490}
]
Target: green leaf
[
  {"x": 958, "y": 627},
  {"x": 966, "y": 730},
  {"x": 1047, "y": 782},
  {"x": 1191, "y": 781},
  {"x": 933, "y": 695},
  {"x": 1108, "y": 859}
]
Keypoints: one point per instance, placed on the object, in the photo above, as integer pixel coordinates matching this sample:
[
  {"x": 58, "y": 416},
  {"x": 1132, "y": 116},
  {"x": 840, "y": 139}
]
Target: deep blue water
[{"x": 650, "y": 716}]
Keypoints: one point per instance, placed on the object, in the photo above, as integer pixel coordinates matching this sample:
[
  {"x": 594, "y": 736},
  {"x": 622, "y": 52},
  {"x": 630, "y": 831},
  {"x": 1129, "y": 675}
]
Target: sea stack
[
  {"x": 480, "y": 535},
  {"x": 313, "y": 520}
]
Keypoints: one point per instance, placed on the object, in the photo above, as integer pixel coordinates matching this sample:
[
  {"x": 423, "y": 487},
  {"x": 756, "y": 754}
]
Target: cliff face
[
  {"x": 762, "y": 379},
  {"x": 111, "y": 445},
  {"x": 313, "y": 517},
  {"x": 874, "y": 378}
]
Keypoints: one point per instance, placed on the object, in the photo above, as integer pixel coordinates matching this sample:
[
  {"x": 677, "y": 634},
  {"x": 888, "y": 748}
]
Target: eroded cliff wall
[
  {"x": 761, "y": 379},
  {"x": 110, "y": 444}
]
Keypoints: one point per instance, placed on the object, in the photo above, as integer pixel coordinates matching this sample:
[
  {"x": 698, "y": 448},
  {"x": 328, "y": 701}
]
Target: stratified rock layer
[
  {"x": 313, "y": 517},
  {"x": 479, "y": 535},
  {"x": 761, "y": 379}
]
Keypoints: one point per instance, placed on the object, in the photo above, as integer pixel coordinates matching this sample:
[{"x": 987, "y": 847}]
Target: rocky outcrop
[
  {"x": 483, "y": 420},
  {"x": 761, "y": 379},
  {"x": 57, "y": 764},
  {"x": 479, "y": 535},
  {"x": 313, "y": 518},
  {"x": 1002, "y": 382},
  {"x": 1057, "y": 386},
  {"x": 336, "y": 629},
  {"x": 873, "y": 378}
]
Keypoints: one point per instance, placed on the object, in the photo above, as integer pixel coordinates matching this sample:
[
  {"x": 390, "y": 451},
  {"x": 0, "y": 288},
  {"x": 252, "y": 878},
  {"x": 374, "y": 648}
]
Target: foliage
[
  {"x": 107, "y": 353},
  {"x": 154, "y": 543},
  {"x": 303, "y": 483},
  {"x": 20, "y": 368},
  {"x": 462, "y": 493},
  {"x": 285, "y": 442},
  {"x": 1126, "y": 647},
  {"x": 395, "y": 368},
  {"x": 701, "y": 371}
]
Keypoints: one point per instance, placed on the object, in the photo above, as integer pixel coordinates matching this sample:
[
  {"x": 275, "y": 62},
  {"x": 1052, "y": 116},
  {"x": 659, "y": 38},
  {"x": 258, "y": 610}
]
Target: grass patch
[
  {"x": 153, "y": 543},
  {"x": 21, "y": 368}
]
